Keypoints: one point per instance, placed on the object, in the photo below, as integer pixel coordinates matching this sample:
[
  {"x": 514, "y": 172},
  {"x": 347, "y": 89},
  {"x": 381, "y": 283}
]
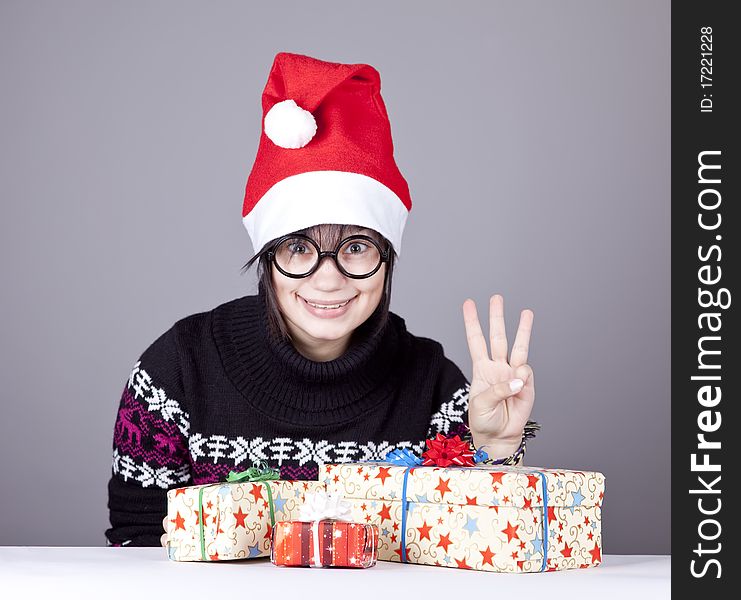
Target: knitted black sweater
[{"x": 214, "y": 393}]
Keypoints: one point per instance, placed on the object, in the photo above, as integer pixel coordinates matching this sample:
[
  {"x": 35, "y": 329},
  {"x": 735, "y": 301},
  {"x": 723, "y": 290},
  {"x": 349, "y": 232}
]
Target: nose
[{"x": 327, "y": 271}]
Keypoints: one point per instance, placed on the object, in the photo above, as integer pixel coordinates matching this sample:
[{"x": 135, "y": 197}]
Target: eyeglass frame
[{"x": 384, "y": 255}]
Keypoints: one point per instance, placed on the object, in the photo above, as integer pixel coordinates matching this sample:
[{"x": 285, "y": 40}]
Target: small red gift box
[{"x": 326, "y": 543}]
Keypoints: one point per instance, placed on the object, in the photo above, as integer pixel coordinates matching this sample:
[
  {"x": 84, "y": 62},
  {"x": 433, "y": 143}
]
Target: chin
[
  {"x": 329, "y": 331},
  {"x": 327, "y": 336}
]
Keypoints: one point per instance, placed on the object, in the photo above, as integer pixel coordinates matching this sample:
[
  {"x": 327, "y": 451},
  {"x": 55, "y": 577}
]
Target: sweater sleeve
[
  {"x": 451, "y": 417},
  {"x": 150, "y": 447}
]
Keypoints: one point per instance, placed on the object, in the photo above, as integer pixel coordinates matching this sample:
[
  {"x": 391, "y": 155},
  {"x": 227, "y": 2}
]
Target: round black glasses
[{"x": 357, "y": 256}]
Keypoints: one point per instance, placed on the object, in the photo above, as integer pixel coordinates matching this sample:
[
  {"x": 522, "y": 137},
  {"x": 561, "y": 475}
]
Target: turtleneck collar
[{"x": 276, "y": 379}]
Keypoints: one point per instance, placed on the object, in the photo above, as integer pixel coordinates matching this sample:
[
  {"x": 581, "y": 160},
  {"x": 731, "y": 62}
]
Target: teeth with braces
[{"x": 331, "y": 306}]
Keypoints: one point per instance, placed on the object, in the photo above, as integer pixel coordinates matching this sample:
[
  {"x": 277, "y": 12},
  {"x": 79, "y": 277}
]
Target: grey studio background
[{"x": 535, "y": 140}]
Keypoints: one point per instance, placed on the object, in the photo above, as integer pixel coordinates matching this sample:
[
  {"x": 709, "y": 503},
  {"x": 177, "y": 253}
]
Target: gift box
[
  {"x": 324, "y": 536},
  {"x": 230, "y": 520},
  {"x": 324, "y": 544},
  {"x": 490, "y": 518}
]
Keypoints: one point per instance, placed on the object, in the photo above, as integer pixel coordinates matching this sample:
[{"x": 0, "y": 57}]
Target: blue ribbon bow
[{"x": 403, "y": 456}]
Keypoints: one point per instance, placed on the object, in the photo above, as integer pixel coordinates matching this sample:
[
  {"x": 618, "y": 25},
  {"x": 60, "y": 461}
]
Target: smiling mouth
[{"x": 327, "y": 306}]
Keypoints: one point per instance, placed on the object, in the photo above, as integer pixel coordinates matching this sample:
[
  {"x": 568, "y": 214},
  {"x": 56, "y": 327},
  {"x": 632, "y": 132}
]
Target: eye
[
  {"x": 356, "y": 247},
  {"x": 297, "y": 248}
]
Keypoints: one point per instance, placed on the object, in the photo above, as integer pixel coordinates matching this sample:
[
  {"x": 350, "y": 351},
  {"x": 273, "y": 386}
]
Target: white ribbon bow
[{"x": 319, "y": 506}]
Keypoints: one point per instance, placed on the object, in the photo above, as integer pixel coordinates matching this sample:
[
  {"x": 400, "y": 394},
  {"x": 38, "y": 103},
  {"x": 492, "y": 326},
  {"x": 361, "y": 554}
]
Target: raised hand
[{"x": 502, "y": 391}]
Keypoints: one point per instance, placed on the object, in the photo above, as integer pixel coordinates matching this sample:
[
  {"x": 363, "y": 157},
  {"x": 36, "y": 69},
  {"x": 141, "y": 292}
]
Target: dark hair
[{"x": 327, "y": 235}]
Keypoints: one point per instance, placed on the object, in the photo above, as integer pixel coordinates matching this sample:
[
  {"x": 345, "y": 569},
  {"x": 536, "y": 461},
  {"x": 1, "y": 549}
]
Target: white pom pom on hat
[{"x": 289, "y": 126}]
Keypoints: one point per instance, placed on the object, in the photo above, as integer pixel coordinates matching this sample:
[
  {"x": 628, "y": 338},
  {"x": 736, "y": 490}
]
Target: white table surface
[{"x": 141, "y": 573}]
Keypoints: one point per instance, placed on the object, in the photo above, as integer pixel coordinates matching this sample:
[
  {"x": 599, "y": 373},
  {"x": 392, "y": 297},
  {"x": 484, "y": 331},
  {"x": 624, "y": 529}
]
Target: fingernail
[{"x": 516, "y": 385}]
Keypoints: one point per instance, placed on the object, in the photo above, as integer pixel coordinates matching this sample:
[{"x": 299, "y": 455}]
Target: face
[{"x": 321, "y": 332}]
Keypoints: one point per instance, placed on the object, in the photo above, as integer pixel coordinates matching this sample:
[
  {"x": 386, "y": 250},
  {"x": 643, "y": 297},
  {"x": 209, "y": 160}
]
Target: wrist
[
  {"x": 496, "y": 447},
  {"x": 498, "y": 451}
]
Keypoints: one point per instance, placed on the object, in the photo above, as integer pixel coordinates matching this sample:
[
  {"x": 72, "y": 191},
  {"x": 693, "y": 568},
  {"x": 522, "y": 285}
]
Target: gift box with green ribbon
[
  {"x": 233, "y": 519},
  {"x": 450, "y": 511}
]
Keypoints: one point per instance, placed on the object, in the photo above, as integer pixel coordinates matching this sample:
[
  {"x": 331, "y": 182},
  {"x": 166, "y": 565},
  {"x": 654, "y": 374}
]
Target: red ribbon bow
[{"x": 445, "y": 451}]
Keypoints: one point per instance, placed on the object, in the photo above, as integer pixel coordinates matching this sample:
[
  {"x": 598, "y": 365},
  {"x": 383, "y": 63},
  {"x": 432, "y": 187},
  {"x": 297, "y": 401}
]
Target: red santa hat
[{"x": 325, "y": 153}]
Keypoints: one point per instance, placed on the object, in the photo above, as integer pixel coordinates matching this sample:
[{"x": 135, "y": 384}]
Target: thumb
[
  {"x": 525, "y": 373},
  {"x": 501, "y": 391}
]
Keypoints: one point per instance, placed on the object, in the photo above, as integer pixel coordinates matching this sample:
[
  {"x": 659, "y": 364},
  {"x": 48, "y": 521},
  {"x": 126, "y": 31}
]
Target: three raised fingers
[{"x": 497, "y": 333}]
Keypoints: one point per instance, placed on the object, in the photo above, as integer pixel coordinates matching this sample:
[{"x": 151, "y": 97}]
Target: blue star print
[
  {"x": 422, "y": 498},
  {"x": 279, "y": 503},
  {"x": 577, "y": 499},
  {"x": 254, "y": 551},
  {"x": 471, "y": 526},
  {"x": 537, "y": 545},
  {"x": 224, "y": 491}
]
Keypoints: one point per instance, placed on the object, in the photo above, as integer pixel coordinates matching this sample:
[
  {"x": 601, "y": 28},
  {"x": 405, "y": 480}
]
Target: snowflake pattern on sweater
[{"x": 153, "y": 445}]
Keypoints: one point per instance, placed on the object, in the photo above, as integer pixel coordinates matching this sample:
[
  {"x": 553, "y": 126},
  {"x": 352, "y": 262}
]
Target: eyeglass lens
[{"x": 298, "y": 256}]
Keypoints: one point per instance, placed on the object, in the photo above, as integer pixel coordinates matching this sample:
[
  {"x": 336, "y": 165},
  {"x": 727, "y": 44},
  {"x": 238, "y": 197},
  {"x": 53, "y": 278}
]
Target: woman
[{"x": 313, "y": 369}]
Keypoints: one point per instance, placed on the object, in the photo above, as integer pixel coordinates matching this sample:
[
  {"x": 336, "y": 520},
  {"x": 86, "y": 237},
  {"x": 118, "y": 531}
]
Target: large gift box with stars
[
  {"x": 234, "y": 520},
  {"x": 490, "y": 518}
]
